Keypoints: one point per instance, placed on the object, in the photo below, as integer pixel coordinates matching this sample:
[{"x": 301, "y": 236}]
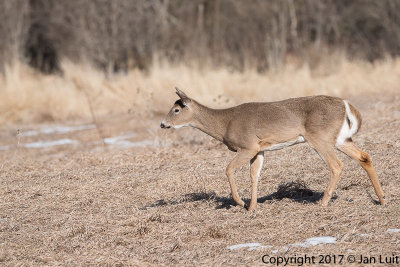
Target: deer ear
[{"x": 185, "y": 99}]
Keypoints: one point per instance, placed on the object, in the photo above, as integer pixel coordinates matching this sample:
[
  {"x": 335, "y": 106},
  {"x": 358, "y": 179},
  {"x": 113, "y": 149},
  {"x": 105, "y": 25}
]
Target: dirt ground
[{"x": 163, "y": 199}]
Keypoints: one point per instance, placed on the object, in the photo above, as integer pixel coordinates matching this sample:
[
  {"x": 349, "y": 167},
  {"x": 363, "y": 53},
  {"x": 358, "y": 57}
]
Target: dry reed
[{"x": 28, "y": 96}]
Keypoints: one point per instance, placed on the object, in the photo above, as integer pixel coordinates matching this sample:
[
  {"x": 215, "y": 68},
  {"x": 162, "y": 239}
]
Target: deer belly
[{"x": 266, "y": 146}]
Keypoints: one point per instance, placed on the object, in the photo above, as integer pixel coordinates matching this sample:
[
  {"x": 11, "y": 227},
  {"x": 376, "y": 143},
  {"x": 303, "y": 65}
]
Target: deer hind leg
[
  {"x": 255, "y": 169},
  {"x": 327, "y": 152},
  {"x": 241, "y": 158},
  {"x": 350, "y": 149}
]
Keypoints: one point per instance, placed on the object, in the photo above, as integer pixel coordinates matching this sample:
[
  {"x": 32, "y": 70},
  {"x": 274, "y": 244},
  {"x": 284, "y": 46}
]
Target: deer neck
[{"x": 210, "y": 121}]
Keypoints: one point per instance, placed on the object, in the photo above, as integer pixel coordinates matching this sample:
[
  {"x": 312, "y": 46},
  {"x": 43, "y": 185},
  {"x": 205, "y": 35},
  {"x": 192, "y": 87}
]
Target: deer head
[{"x": 181, "y": 114}]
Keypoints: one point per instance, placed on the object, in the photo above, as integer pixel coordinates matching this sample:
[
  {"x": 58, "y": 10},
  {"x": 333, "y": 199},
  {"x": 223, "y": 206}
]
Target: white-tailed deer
[{"x": 249, "y": 129}]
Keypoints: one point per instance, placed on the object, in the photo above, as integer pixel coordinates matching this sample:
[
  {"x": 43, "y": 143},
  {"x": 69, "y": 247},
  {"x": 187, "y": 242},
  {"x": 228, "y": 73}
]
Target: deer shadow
[
  {"x": 296, "y": 191},
  {"x": 186, "y": 198}
]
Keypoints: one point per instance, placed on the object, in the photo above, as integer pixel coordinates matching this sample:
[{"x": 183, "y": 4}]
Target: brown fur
[{"x": 251, "y": 128}]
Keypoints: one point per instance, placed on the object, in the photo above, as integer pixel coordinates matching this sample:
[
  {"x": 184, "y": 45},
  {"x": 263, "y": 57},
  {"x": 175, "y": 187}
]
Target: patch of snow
[
  {"x": 29, "y": 133},
  {"x": 285, "y": 248},
  {"x": 142, "y": 143},
  {"x": 313, "y": 241},
  {"x": 121, "y": 141},
  {"x": 58, "y": 129},
  {"x": 393, "y": 230},
  {"x": 246, "y": 245},
  {"x": 259, "y": 247},
  {"x": 363, "y": 235},
  {"x": 351, "y": 250},
  {"x": 43, "y": 144},
  {"x": 3, "y": 148},
  {"x": 117, "y": 139}
]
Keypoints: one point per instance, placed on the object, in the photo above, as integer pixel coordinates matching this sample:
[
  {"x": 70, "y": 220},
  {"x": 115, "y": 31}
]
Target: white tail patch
[{"x": 346, "y": 131}]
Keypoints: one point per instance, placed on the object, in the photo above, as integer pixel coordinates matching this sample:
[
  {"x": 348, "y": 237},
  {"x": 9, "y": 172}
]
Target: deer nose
[{"x": 162, "y": 125}]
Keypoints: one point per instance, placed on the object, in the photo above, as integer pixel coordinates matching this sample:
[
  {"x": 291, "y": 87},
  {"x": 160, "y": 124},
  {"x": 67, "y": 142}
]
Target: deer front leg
[
  {"x": 241, "y": 158},
  {"x": 255, "y": 169}
]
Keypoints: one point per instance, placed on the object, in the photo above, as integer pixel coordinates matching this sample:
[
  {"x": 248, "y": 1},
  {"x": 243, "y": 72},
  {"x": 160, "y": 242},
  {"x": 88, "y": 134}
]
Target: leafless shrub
[
  {"x": 13, "y": 26},
  {"x": 120, "y": 35}
]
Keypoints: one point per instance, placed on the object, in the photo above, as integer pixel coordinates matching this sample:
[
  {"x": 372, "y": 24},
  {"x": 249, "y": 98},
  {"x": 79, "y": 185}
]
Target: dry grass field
[
  {"x": 30, "y": 96},
  {"x": 160, "y": 197}
]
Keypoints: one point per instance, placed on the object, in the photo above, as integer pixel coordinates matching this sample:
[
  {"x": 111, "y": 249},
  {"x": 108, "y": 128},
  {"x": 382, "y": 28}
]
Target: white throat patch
[{"x": 182, "y": 125}]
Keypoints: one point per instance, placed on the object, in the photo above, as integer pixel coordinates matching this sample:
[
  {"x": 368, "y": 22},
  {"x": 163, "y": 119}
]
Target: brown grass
[
  {"x": 28, "y": 96},
  {"x": 170, "y": 204}
]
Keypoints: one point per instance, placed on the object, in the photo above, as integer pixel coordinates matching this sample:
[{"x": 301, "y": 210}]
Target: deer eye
[{"x": 176, "y": 110}]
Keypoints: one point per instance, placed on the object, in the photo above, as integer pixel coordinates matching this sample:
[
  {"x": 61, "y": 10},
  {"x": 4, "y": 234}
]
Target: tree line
[{"x": 119, "y": 35}]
